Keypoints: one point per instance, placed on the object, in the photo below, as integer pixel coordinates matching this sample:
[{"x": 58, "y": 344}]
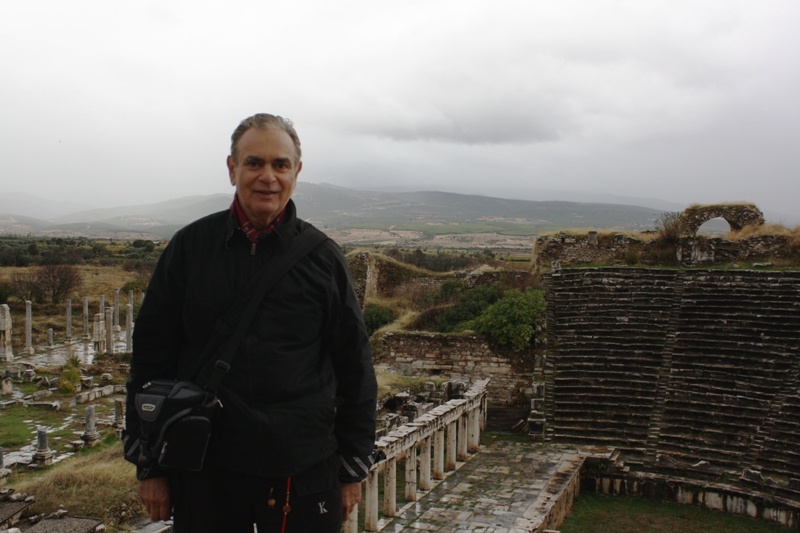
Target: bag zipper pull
[{"x": 253, "y": 249}]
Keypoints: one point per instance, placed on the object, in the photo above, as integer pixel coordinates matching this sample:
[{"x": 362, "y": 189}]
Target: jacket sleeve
[
  {"x": 356, "y": 385},
  {"x": 156, "y": 343}
]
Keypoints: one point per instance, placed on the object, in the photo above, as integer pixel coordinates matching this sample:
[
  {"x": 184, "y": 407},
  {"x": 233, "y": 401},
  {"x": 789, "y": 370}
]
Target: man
[{"x": 298, "y": 416}]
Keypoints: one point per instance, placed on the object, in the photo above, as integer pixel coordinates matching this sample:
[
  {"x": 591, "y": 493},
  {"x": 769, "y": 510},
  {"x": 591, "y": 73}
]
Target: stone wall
[
  {"x": 568, "y": 249},
  {"x": 736, "y": 215},
  {"x": 693, "y": 373},
  {"x": 467, "y": 358},
  {"x": 571, "y": 249}
]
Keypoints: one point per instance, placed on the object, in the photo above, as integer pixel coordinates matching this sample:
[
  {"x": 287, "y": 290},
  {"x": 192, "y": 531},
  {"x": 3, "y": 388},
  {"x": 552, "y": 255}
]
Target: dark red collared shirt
[{"x": 247, "y": 227}]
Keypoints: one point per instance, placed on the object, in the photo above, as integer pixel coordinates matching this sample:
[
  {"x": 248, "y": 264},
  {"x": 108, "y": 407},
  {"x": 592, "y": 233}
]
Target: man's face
[{"x": 265, "y": 173}]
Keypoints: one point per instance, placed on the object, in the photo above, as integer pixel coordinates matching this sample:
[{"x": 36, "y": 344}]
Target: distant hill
[{"x": 428, "y": 212}]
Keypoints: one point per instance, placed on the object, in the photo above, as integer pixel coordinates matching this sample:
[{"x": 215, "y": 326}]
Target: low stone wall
[
  {"x": 568, "y": 249},
  {"x": 467, "y": 358},
  {"x": 717, "y": 496},
  {"x": 704, "y": 251}
]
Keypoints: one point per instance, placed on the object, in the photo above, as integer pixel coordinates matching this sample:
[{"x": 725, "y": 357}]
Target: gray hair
[{"x": 265, "y": 121}]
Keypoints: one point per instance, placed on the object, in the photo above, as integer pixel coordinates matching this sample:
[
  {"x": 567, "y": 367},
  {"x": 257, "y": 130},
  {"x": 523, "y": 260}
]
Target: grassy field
[
  {"x": 97, "y": 482},
  {"x": 597, "y": 513}
]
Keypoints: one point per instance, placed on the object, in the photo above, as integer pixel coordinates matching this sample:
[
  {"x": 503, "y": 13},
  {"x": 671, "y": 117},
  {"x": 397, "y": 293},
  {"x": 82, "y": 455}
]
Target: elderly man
[{"x": 298, "y": 415}]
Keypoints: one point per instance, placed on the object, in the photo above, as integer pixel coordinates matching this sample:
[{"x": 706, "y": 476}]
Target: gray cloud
[{"x": 684, "y": 100}]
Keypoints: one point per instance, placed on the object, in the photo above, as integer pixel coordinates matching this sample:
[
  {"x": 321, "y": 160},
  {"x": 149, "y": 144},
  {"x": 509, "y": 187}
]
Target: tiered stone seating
[
  {"x": 779, "y": 453},
  {"x": 607, "y": 328},
  {"x": 705, "y": 363},
  {"x": 730, "y": 361}
]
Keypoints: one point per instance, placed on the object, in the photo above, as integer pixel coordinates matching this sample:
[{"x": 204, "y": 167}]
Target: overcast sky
[{"x": 113, "y": 103}]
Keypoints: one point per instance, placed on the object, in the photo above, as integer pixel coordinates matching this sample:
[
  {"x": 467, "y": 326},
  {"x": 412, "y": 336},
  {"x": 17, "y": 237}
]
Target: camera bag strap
[{"x": 277, "y": 267}]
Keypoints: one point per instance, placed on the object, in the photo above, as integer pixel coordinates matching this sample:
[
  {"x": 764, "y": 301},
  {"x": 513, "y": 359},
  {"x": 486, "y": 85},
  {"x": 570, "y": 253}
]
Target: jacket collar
[{"x": 282, "y": 235}]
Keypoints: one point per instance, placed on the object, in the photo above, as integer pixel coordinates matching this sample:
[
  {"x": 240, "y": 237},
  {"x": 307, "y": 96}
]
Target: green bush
[
  {"x": 70, "y": 377},
  {"x": 375, "y": 317},
  {"x": 511, "y": 321},
  {"x": 471, "y": 303}
]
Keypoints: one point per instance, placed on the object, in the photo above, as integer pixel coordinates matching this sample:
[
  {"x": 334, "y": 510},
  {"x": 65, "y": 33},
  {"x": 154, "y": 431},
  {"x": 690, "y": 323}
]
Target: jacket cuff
[{"x": 354, "y": 469}]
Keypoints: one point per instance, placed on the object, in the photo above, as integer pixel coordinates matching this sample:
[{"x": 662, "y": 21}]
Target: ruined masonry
[{"x": 5, "y": 334}]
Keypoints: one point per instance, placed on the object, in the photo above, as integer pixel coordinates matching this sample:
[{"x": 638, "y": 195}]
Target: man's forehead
[{"x": 272, "y": 143}]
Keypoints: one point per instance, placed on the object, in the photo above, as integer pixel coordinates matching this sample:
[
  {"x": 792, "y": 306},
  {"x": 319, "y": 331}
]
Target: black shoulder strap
[{"x": 277, "y": 267}]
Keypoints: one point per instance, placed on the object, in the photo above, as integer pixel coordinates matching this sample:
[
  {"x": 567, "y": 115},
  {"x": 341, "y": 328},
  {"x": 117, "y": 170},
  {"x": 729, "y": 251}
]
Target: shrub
[
  {"x": 70, "y": 377},
  {"x": 633, "y": 256},
  {"x": 668, "y": 226},
  {"x": 471, "y": 303},
  {"x": 135, "y": 285},
  {"x": 5, "y": 291},
  {"x": 375, "y": 317},
  {"x": 511, "y": 321}
]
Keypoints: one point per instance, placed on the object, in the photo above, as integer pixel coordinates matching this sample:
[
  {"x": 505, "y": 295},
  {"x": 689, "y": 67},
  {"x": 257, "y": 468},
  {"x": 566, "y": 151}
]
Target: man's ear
[{"x": 231, "y": 172}]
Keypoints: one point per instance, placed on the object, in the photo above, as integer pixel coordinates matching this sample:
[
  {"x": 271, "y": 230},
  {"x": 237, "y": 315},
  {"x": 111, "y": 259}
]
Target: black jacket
[{"x": 301, "y": 385}]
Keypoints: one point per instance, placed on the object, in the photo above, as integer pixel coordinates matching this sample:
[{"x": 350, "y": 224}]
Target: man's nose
[{"x": 267, "y": 174}]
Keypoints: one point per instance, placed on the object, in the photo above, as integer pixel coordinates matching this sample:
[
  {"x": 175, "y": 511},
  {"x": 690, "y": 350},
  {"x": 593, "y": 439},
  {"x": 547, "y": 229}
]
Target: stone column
[
  {"x": 371, "y": 503},
  {"x": 90, "y": 435},
  {"x": 473, "y": 431},
  {"x": 425, "y": 464},
  {"x": 43, "y": 455},
  {"x": 98, "y": 335},
  {"x": 116, "y": 310},
  {"x": 351, "y": 525},
  {"x": 129, "y": 328},
  {"x": 69, "y": 320},
  {"x": 461, "y": 447},
  {"x": 6, "y": 354},
  {"x": 28, "y": 328},
  {"x": 450, "y": 461},
  {"x": 438, "y": 454},
  {"x": 119, "y": 415},
  {"x": 5, "y": 473},
  {"x": 102, "y": 304},
  {"x": 109, "y": 330},
  {"x": 50, "y": 342},
  {"x": 86, "y": 334},
  {"x": 411, "y": 474},
  {"x": 390, "y": 487},
  {"x": 130, "y": 297}
]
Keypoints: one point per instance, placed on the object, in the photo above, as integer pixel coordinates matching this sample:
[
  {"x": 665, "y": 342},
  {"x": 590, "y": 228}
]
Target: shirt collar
[{"x": 247, "y": 227}]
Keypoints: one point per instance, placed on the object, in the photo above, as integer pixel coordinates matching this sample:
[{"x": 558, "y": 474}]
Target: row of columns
[
  {"x": 109, "y": 318},
  {"x": 431, "y": 456}
]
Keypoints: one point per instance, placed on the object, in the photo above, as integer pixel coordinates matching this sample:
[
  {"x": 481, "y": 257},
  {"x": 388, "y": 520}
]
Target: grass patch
[
  {"x": 19, "y": 425},
  {"x": 391, "y": 382},
  {"x": 598, "y": 513},
  {"x": 97, "y": 482}
]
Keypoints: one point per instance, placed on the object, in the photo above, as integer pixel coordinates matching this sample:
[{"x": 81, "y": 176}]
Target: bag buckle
[{"x": 222, "y": 366}]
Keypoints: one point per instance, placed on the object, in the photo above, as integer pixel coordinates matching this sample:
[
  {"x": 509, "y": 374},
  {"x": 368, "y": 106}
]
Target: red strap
[{"x": 286, "y": 508}]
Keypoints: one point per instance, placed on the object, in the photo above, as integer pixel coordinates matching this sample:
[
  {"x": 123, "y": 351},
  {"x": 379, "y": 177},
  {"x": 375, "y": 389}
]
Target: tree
[
  {"x": 512, "y": 319},
  {"x": 58, "y": 281},
  {"x": 26, "y": 286}
]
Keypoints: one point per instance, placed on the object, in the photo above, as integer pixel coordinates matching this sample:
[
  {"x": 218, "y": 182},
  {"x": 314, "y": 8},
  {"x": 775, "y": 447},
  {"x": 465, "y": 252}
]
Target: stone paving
[{"x": 508, "y": 487}]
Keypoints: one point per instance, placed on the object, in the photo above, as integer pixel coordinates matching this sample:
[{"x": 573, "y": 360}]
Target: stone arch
[{"x": 736, "y": 215}]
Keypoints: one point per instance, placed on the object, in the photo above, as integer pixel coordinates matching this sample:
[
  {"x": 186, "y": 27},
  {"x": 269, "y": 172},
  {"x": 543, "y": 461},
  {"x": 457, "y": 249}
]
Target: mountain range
[{"x": 428, "y": 213}]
